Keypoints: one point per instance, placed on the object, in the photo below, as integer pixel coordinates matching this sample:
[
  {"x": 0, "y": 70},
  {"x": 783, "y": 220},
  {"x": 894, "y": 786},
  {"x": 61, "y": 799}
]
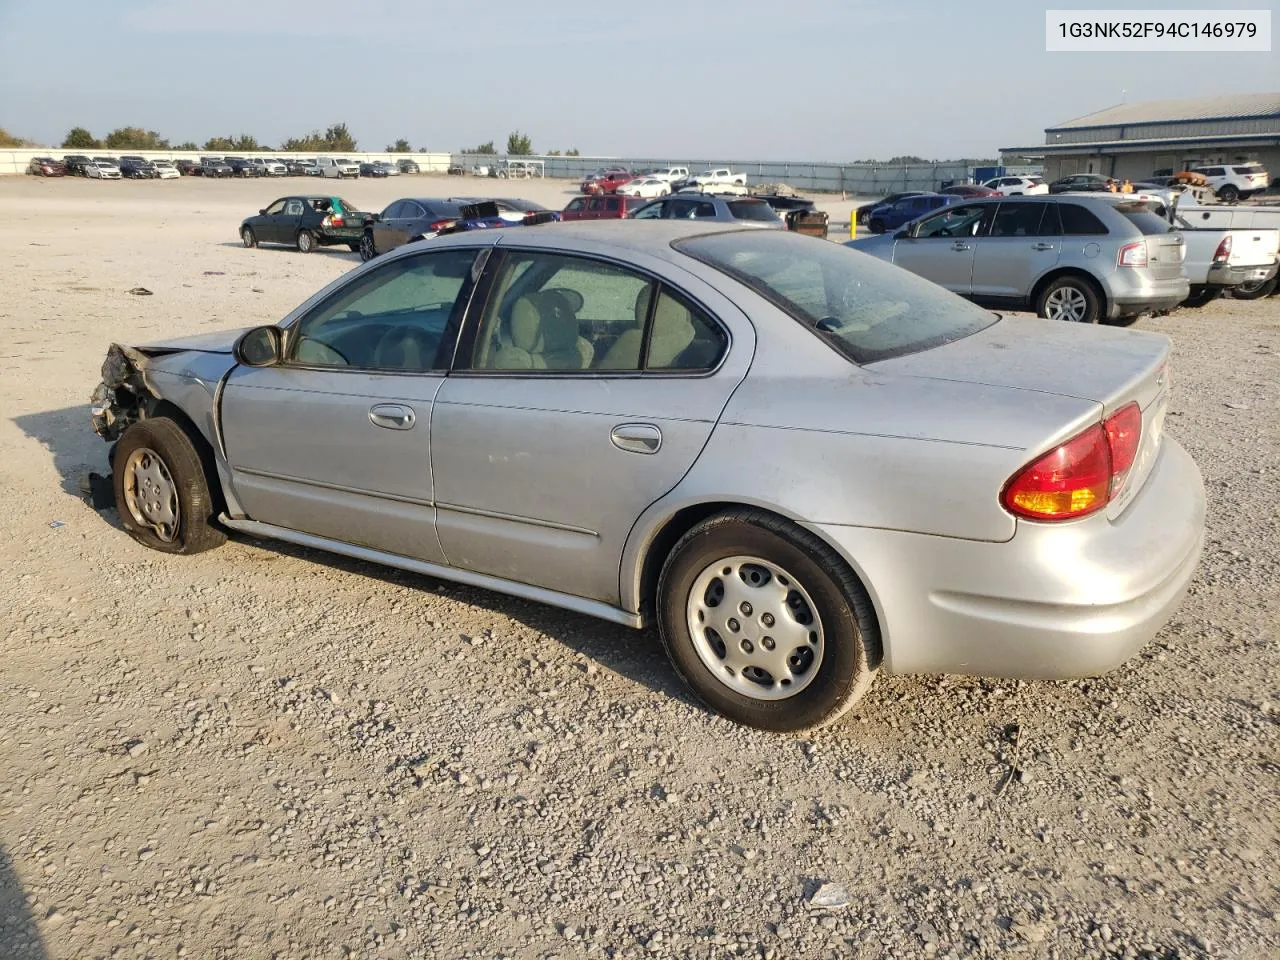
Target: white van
[{"x": 329, "y": 167}]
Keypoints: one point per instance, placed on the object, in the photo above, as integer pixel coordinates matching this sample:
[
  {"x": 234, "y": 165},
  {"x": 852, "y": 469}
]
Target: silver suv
[{"x": 1075, "y": 258}]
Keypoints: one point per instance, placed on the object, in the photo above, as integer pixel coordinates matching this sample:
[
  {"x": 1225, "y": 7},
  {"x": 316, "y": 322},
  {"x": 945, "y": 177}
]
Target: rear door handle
[
  {"x": 1043, "y": 246},
  {"x": 636, "y": 437},
  {"x": 960, "y": 246},
  {"x": 393, "y": 416}
]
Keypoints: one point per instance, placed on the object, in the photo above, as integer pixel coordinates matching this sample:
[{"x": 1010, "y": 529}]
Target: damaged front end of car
[{"x": 123, "y": 397}]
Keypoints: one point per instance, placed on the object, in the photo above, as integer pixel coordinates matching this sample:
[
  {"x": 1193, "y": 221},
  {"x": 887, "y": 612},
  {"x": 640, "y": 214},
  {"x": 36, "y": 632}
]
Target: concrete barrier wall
[{"x": 16, "y": 161}]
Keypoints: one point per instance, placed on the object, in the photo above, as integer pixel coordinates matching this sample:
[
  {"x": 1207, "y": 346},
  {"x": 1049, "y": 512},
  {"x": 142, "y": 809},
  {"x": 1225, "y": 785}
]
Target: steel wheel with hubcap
[
  {"x": 162, "y": 495},
  {"x": 1070, "y": 299},
  {"x": 765, "y": 622},
  {"x": 247, "y": 237},
  {"x": 306, "y": 241}
]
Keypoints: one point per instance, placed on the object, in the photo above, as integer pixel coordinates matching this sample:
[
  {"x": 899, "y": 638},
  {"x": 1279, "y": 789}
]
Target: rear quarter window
[
  {"x": 752, "y": 210},
  {"x": 1079, "y": 222}
]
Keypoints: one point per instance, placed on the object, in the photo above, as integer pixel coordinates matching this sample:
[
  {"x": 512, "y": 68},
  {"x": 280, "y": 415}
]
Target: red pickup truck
[
  {"x": 601, "y": 207},
  {"x": 607, "y": 181}
]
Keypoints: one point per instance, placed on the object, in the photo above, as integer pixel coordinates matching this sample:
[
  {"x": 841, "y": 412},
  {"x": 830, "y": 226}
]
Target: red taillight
[
  {"x": 335, "y": 220},
  {"x": 439, "y": 225},
  {"x": 1080, "y": 476},
  {"x": 1223, "y": 253},
  {"x": 1133, "y": 254}
]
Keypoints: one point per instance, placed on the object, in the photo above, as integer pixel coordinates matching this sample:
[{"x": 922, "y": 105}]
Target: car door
[
  {"x": 941, "y": 246},
  {"x": 335, "y": 440},
  {"x": 289, "y": 221},
  {"x": 264, "y": 225},
  {"x": 1019, "y": 246},
  {"x": 584, "y": 390}
]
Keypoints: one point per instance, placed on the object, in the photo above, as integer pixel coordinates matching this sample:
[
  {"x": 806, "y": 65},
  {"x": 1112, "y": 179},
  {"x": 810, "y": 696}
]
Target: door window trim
[
  {"x": 449, "y": 339},
  {"x": 465, "y": 343}
]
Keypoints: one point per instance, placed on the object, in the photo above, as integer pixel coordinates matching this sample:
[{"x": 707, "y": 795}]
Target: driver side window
[
  {"x": 652, "y": 212},
  {"x": 957, "y": 221},
  {"x": 393, "y": 319},
  {"x": 275, "y": 208}
]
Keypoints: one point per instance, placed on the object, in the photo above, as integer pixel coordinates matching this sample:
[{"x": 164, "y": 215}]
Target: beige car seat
[
  {"x": 672, "y": 331},
  {"x": 543, "y": 335}
]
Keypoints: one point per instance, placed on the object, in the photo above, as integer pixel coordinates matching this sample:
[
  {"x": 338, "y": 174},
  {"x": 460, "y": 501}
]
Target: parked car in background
[
  {"x": 1232, "y": 182},
  {"x": 46, "y": 167},
  {"x": 215, "y": 167},
  {"x": 601, "y": 207},
  {"x": 1083, "y": 183},
  {"x": 1080, "y": 258},
  {"x": 189, "y": 168},
  {"x": 243, "y": 167},
  {"x": 893, "y": 215},
  {"x": 265, "y": 167},
  {"x": 968, "y": 190},
  {"x": 406, "y": 219},
  {"x": 510, "y": 209},
  {"x": 337, "y": 168},
  {"x": 406, "y": 165},
  {"x": 602, "y": 173},
  {"x": 1221, "y": 259},
  {"x": 306, "y": 222},
  {"x": 744, "y": 211},
  {"x": 669, "y": 174},
  {"x": 298, "y": 167},
  {"x": 606, "y": 183},
  {"x": 864, "y": 211},
  {"x": 100, "y": 169},
  {"x": 932, "y": 489},
  {"x": 1018, "y": 186},
  {"x": 74, "y": 163},
  {"x": 371, "y": 169},
  {"x": 720, "y": 175},
  {"x": 137, "y": 168},
  {"x": 645, "y": 187},
  {"x": 165, "y": 170}
]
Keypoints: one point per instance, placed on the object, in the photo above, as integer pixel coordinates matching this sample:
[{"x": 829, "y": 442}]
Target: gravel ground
[{"x": 268, "y": 752}]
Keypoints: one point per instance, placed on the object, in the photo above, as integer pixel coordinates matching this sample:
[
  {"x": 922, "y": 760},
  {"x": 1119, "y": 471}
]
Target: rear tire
[
  {"x": 782, "y": 581},
  {"x": 367, "y": 248},
  {"x": 1229, "y": 193},
  {"x": 1202, "y": 296},
  {"x": 247, "y": 238},
  {"x": 306, "y": 241},
  {"x": 1073, "y": 299},
  {"x": 1255, "y": 289},
  {"x": 162, "y": 494}
]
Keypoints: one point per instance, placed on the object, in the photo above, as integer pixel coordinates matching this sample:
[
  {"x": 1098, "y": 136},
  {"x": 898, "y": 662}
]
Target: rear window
[
  {"x": 865, "y": 308},
  {"x": 752, "y": 210},
  {"x": 1249, "y": 168},
  {"x": 1077, "y": 221},
  {"x": 1147, "y": 215}
]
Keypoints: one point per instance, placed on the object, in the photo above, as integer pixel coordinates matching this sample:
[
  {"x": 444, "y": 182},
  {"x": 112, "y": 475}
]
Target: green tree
[
  {"x": 246, "y": 142},
  {"x": 572, "y": 153},
  {"x": 7, "y": 139},
  {"x": 518, "y": 144},
  {"x": 78, "y": 138},
  {"x": 487, "y": 149},
  {"x": 896, "y": 161},
  {"x": 186, "y": 145},
  {"x": 219, "y": 143},
  {"x": 336, "y": 139},
  {"x": 553, "y": 153},
  {"x": 135, "y": 138},
  {"x": 400, "y": 146},
  {"x": 339, "y": 140}
]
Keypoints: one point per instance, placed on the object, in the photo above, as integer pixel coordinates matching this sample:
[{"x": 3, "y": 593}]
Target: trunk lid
[
  {"x": 1165, "y": 255},
  {"x": 1107, "y": 366}
]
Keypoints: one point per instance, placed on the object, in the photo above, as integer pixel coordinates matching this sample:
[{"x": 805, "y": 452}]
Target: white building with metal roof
[{"x": 1135, "y": 140}]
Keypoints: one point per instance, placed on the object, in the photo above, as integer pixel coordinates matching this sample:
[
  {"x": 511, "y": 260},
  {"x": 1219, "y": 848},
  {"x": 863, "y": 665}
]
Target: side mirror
[
  {"x": 262, "y": 212},
  {"x": 259, "y": 347}
]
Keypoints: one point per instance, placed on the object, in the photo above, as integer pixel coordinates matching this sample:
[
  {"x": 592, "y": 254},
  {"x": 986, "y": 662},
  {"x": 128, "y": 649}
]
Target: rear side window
[
  {"x": 1079, "y": 222},
  {"x": 864, "y": 308},
  {"x": 611, "y": 204},
  {"x": 1018, "y": 220},
  {"x": 1248, "y": 168},
  {"x": 752, "y": 210}
]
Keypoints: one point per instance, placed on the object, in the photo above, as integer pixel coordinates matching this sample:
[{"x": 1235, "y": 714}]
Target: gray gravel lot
[{"x": 264, "y": 751}]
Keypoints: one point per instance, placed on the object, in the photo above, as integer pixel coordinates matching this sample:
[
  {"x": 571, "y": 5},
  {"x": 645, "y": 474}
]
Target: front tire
[
  {"x": 161, "y": 491},
  {"x": 367, "y": 249},
  {"x": 766, "y": 623},
  {"x": 1202, "y": 296},
  {"x": 306, "y": 241},
  {"x": 1073, "y": 299},
  {"x": 247, "y": 238}
]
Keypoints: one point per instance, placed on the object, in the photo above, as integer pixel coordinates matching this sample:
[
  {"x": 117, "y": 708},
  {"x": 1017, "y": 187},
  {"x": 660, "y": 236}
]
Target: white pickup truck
[
  {"x": 1221, "y": 259},
  {"x": 669, "y": 174},
  {"x": 721, "y": 175},
  {"x": 1236, "y": 217}
]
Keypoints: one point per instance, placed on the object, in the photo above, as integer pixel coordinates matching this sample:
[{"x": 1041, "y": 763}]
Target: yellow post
[{"x": 853, "y": 225}]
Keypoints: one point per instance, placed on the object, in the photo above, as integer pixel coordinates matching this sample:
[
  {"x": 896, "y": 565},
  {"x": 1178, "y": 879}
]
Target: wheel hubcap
[
  {"x": 304, "y": 241},
  {"x": 755, "y": 628},
  {"x": 1067, "y": 303},
  {"x": 150, "y": 493},
  {"x": 247, "y": 237}
]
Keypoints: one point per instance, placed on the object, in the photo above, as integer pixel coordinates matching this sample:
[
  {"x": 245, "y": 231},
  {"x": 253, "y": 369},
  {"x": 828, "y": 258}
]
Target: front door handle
[
  {"x": 1043, "y": 246},
  {"x": 960, "y": 245},
  {"x": 393, "y": 416},
  {"x": 636, "y": 437}
]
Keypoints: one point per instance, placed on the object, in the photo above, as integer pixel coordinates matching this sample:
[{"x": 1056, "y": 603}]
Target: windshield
[
  {"x": 867, "y": 309},
  {"x": 752, "y": 210}
]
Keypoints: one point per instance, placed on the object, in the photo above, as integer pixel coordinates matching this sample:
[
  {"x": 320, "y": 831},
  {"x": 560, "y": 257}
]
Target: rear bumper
[
  {"x": 1056, "y": 601},
  {"x": 1132, "y": 292},
  {"x": 1225, "y": 275}
]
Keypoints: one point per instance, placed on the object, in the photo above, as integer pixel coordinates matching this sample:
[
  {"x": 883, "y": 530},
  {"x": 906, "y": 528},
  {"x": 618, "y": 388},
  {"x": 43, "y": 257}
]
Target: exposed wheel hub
[{"x": 755, "y": 627}]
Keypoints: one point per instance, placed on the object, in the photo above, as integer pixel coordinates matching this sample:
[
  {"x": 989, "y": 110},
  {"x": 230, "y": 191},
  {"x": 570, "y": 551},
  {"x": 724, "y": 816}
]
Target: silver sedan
[{"x": 802, "y": 464}]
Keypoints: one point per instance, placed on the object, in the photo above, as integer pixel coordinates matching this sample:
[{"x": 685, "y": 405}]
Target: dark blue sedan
[{"x": 891, "y": 216}]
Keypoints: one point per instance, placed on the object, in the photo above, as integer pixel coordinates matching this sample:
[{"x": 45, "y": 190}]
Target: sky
[{"x": 825, "y": 80}]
